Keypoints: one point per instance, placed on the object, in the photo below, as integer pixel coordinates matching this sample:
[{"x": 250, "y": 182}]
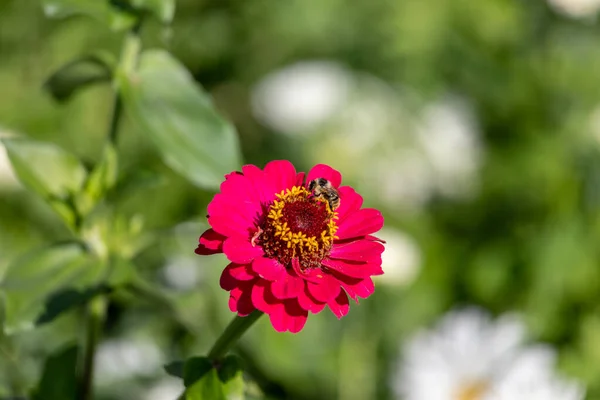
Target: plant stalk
[
  {"x": 232, "y": 333},
  {"x": 96, "y": 312},
  {"x": 130, "y": 52}
]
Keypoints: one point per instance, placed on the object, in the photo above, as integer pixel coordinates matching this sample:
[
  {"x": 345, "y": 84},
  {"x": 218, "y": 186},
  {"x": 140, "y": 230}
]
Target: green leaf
[
  {"x": 194, "y": 369},
  {"x": 79, "y": 73},
  {"x": 100, "y": 180},
  {"x": 58, "y": 380},
  {"x": 41, "y": 285},
  {"x": 231, "y": 375},
  {"x": 208, "y": 387},
  {"x": 164, "y": 10},
  {"x": 105, "y": 11},
  {"x": 45, "y": 168},
  {"x": 175, "y": 369},
  {"x": 178, "y": 116},
  {"x": 49, "y": 171},
  {"x": 205, "y": 381}
]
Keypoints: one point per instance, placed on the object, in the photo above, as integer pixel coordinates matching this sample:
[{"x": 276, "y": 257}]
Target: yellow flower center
[
  {"x": 472, "y": 391},
  {"x": 298, "y": 225}
]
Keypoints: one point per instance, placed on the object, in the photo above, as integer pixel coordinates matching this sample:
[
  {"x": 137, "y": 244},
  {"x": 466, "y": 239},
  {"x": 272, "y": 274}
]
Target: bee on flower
[{"x": 295, "y": 245}]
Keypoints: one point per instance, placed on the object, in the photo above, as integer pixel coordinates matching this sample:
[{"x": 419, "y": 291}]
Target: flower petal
[
  {"x": 350, "y": 201},
  {"x": 325, "y": 171},
  {"x": 353, "y": 269},
  {"x": 263, "y": 187},
  {"x": 240, "y": 299},
  {"x": 288, "y": 286},
  {"x": 229, "y": 277},
  {"x": 262, "y": 298},
  {"x": 239, "y": 186},
  {"x": 241, "y": 272},
  {"x": 360, "y": 223},
  {"x": 231, "y": 225},
  {"x": 240, "y": 250},
  {"x": 300, "y": 179},
  {"x": 339, "y": 306},
  {"x": 309, "y": 303},
  {"x": 288, "y": 316},
  {"x": 356, "y": 287},
  {"x": 311, "y": 275},
  {"x": 281, "y": 173},
  {"x": 245, "y": 210},
  {"x": 210, "y": 242},
  {"x": 360, "y": 250},
  {"x": 268, "y": 268},
  {"x": 327, "y": 288}
]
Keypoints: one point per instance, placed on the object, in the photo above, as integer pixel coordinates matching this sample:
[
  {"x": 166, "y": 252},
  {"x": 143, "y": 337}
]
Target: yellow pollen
[
  {"x": 299, "y": 242},
  {"x": 472, "y": 391}
]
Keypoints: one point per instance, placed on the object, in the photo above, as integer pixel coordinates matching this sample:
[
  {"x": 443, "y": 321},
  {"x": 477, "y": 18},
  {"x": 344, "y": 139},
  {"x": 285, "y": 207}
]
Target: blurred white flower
[
  {"x": 448, "y": 136},
  {"x": 299, "y": 97},
  {"x": 469, "y": 356},
  {"x": 121, "y": 359},
  {"x": 169, "y": 388},
  {"x": 401, "y": 260},
  {"x": 182, "y": 272},
  {"x": 576, "y": 8}
]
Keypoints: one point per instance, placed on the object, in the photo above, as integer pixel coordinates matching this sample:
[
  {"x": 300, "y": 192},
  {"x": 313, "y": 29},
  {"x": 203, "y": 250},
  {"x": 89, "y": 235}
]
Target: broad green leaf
[
  {"x": 100, "y": 180},
  {"x": 231, "y": 375},
  {"x": 208, "y": 387},
  {"x": 58, "y": 380},
  {"x": 203, "y": 380},
  {"x": 179, "y": 118},
  {"x": 49, "y": 171},
  {"x": 42, "y": 284},
  {"x": 45, "y": 168},
  {"x": 79, "y": 73},
  {"x": 194, "y": 369},
  {"x": 104, "y": 11},
  {"x": 164, "y": 10}
]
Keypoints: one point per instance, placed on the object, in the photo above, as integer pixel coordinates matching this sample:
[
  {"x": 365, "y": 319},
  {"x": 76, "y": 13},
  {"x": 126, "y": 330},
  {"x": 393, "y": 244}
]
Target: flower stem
[
  {"x": 232, "y": 333},
  {"x": 132, "y": 46},
  {"x": 95, "y": 319}
]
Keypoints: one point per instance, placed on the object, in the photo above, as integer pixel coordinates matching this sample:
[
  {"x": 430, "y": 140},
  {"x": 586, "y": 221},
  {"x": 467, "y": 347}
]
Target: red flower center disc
[{"x": 298, "y": 225}]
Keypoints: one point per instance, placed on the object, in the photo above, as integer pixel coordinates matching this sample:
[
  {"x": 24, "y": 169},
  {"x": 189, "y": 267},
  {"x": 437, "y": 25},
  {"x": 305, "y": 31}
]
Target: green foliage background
[{"x": 527, "y": 240}]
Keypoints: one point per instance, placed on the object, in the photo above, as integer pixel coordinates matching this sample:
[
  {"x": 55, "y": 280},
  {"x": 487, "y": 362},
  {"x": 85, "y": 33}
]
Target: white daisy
[
  {"x": 576, "y": 8},
  {"x": 469, "y": 356}
]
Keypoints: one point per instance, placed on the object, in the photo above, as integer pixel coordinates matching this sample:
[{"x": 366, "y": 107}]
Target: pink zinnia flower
[{"x": 290, "y": 252}]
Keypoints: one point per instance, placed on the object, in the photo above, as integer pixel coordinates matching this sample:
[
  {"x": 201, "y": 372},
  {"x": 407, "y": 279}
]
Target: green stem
[
  {"x": 232, "y": 333},
  {"x": 132, "y": 47},
  {"x": 95, "y": 320}
]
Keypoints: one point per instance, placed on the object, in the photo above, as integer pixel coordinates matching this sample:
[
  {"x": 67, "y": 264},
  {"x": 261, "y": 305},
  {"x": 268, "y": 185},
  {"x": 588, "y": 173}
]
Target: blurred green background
[{"x": 473, "y": 125}]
